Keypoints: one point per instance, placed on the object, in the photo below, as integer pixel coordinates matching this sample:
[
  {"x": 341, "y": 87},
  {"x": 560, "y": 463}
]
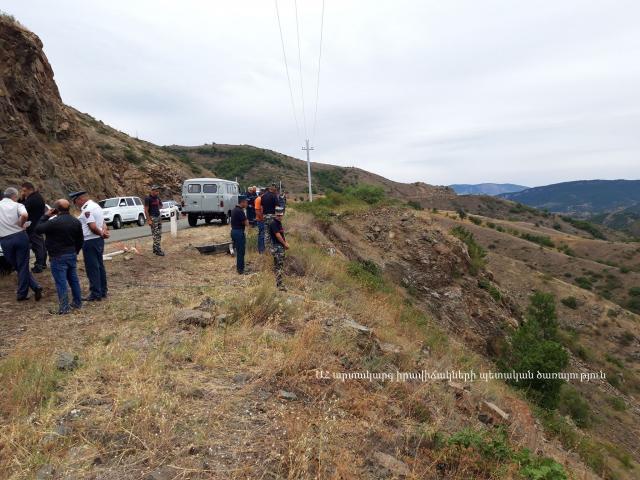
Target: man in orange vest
[{"x": 259, "y": 221}]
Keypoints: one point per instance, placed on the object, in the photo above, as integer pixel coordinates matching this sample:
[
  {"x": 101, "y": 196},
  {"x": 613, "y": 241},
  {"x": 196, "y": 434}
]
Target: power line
[
  {"x": 286, "y": 67},
  {"x": 304, "y": 114},
  {"x": 315, "y": 115}
]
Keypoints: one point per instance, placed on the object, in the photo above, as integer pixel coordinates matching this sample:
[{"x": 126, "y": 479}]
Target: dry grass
[{"x": 205, "y": 403}]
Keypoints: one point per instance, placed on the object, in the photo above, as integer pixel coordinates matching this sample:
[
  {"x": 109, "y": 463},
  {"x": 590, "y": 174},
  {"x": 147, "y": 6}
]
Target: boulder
[
  {"x": 395, "y": 466},
  {"x": 66, "y": 361},
  {"x": 193, "y": 317}
]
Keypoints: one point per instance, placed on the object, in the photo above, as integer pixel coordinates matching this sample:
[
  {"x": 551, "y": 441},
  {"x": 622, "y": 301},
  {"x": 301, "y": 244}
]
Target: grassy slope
[{"x": 204, "y": 402}]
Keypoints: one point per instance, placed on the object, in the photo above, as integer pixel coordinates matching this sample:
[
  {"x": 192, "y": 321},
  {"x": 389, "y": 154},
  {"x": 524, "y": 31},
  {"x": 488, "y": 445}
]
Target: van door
[
  {"x": 193, "y": 197},
  {"x": 211, "y": 197}
]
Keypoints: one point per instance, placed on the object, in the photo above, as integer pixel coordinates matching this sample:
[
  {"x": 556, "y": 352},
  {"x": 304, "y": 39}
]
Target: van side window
[
  {"x": 137, "y": 201},
  {"x": 130, "y": 202},
  {"x": 123, "y": 203},
  {"x": 210, "y": 188},
  {"x": 193, "y": 188}
]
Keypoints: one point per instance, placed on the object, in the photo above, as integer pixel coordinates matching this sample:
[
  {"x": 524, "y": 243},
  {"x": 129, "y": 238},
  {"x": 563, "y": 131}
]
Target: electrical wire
[
  {"x": 286, "y": 67},
  {"x": 304, "y": 114},
  {"x": 315, "y": 114}
]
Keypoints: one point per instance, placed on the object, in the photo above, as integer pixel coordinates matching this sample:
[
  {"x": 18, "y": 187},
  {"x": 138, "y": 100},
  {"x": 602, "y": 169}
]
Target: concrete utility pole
[{"x": 308, "y": 149}]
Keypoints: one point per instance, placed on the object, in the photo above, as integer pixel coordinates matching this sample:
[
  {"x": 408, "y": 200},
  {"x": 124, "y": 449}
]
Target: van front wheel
[{"x": 192, "y": 219}]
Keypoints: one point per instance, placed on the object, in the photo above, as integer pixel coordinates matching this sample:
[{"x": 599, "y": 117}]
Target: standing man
[
  {"x": 64, "y": 241},
  {"x": 34, "y": 203},
  {"x": 260, "y": 222},
  {"x": 94, "y": 231},
  {"x": 279, "y": 242},
  {"x": 239, "y": 222},
  {"x": 251, "y": 210},
  {"x": 269, "y": 203},
  {"x": 152, "y": 206},
  {"x": 15, "y": 243}
]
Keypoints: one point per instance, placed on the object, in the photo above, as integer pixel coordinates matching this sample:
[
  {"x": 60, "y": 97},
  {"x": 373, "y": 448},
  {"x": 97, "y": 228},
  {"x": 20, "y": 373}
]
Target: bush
[
  {"x": 368, "y": 274},
  {"x": 533, "y": 348},
  {"x": 634, "y": 291},
  {"x": 572, "y": 403},
  {"x": 476, "y": 220},
  {"x": 461, "y": 213},
  {"x": 634, "y": 305},
  {"x": 570, "y": 302},
  {"x": 491, "y": 288},
  {"x": 369, "y": 194},
  {"x": 585, "y": 226},
  {"x": 415, "y": 205},
  {"x": 476, "y": 252},
  {"x": 542, "y": 240},
  {"x": 584, "y": 282}
]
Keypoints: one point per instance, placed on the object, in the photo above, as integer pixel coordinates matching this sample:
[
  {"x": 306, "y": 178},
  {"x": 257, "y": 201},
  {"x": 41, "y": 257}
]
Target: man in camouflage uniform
[
  {"x": 152, "y": 206},
  {"x": 278, "y": 246}
]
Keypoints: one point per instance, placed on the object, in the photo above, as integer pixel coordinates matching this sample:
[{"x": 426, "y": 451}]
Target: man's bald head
[{"x": 62, "y": 205}]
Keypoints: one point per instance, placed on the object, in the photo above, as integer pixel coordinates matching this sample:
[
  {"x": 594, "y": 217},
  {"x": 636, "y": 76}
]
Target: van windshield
[{"x": 110, "y": 202}]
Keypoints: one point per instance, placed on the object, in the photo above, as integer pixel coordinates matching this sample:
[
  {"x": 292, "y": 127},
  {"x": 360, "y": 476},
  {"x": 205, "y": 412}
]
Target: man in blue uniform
[
  {"x": 94, "y": 231},
  {"x": 239, "y": 222},
  {"x": 64, "y": 241}
]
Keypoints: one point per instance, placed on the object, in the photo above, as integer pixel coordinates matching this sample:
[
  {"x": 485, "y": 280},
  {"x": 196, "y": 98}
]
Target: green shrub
[
  {"x": 572, "y": 403},
  {"x": 584, "y": 282},
  {"x": 570, "y": 302},
  {"x": 585, "y": 226},
  {"x": 415, "y": 205},
  {"x": 533, "y": 348},
  {"x": 461, "y": 213},
  {"x": 542, "y": 240},
  {"x": 618, "y": 404},
  {"x": 476, "y": 220},
  {"x": 634, "y": 305},
  {"x": 476, "y": 252},
  {"x": 491, "y": 288},
  {"x": 634, "y": 291},
  {"x": 370, "y": 194},
  {"x": 368, "y": 274}
]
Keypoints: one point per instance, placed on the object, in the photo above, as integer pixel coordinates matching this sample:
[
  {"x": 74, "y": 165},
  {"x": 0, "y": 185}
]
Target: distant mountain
[
  {"x": 486, "y": 188},
  {"x": 627, "y": 220},
  {"x": 582, "y": 198}
]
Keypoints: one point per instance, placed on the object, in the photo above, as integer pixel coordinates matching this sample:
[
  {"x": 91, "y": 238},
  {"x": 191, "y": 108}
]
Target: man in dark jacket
[
  {"x": 34, "y": 203},
  {"x": 239, "y": 222},
  {"x": 269, "y": 202},
  {"x": 64, "y": 241}
]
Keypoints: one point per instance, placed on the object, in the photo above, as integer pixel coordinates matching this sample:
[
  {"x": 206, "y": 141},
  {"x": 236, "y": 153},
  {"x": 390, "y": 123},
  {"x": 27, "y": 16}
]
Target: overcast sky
[{"x": 436, "y": 91}]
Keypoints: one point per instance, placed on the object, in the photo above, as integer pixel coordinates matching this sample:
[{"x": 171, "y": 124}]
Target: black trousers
[{"x": 36, "y": 241}]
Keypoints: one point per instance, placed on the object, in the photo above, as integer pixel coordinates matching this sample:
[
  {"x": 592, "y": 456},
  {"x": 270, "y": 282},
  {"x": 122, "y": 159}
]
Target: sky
[{"x": 456, "y": 91}]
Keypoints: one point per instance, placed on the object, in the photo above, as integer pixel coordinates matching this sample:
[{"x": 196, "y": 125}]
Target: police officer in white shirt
[
  {"x": 15, "y": 242},
  {"x": 95, "y": 231}
]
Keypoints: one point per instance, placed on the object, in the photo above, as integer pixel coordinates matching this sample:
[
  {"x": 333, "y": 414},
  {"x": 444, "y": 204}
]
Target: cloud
[{"x": 443, "y": 92}]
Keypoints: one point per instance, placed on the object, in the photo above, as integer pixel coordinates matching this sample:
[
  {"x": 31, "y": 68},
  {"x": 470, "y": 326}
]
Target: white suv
[{"x": 120, "y": 210}]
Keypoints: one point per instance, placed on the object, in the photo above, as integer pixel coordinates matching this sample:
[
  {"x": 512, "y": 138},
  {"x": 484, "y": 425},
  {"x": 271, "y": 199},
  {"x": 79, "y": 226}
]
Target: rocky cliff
[{"x": 58, "y": 148}]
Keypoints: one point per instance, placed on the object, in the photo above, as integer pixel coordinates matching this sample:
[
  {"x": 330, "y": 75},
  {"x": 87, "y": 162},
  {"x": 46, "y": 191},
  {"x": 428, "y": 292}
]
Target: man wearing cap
[
  {"x": 279, "y": 245},
  {"x": 269, "y": 203},
  {"x": 152, "y": 206},
  {"x": 64, "y": 240},
  {"x": 239, "y": 222},
  {"x": 15, "y": 243},
  {"x": 94, "y": 231}
]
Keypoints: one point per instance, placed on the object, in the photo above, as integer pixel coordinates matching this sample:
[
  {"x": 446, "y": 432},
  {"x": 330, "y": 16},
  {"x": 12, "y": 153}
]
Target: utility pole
[{"x": 308, "y": 149}]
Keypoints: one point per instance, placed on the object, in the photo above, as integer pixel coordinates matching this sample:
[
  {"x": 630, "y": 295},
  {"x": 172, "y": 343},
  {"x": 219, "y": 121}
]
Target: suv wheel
[
  {"x": 117, "y": 222},
  {"x": 140, "y": 220},
  {"x": 192, "y": 219}
]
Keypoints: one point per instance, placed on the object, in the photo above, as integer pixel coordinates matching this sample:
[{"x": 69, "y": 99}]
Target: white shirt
[
  {"x": 90, "y": 212},
  {"x": 10, "y": 213}
]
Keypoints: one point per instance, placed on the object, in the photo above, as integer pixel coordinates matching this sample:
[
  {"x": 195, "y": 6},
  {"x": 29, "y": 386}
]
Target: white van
[{"x": 208, "y": 198}]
